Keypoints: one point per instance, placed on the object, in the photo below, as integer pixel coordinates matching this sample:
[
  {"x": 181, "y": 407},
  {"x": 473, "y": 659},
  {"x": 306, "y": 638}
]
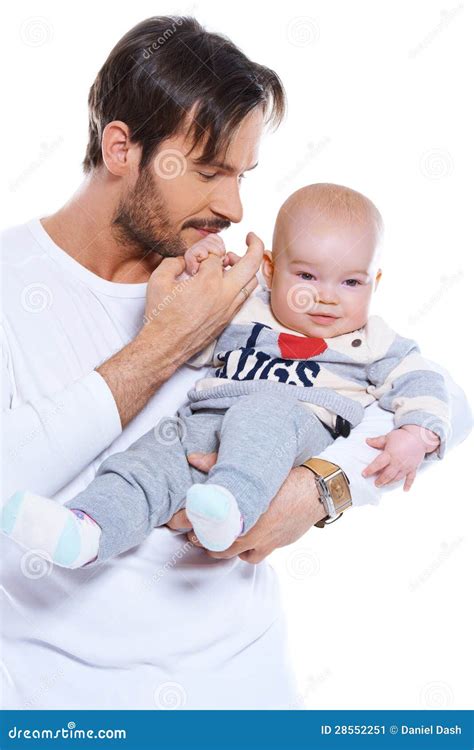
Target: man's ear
[
  {"x": 267, "y": 268},
  {"x": 118, "y": 153},
  {"x": 378, "y": 276}
]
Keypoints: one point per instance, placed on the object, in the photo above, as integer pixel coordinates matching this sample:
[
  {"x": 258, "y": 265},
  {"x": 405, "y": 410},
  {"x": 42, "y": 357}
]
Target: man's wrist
[
  {"x": 135, "y": 373},
  {"x": 310, "y": 491}
]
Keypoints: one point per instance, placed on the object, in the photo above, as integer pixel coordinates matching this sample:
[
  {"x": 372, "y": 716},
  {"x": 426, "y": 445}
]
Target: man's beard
[{"x": 142, "y": 221}]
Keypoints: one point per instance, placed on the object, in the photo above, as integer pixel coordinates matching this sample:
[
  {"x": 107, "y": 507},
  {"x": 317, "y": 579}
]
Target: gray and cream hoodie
[{"x": 336, "y": 378}]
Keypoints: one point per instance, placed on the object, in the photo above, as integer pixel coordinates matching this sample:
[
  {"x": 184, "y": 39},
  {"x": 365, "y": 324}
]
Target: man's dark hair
[{"x": 164, "y": 67}]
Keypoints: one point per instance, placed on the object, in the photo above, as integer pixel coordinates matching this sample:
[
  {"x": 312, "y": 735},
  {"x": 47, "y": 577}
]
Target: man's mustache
[{"x": 217, "y": 224}]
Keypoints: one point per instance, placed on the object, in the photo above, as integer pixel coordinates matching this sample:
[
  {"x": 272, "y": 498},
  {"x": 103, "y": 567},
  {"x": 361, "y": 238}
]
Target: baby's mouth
[{"x": 323, "y": 318}]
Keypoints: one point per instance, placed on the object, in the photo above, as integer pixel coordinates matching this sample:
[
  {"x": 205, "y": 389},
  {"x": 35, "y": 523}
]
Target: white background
[{"x": 379, "y": 604}]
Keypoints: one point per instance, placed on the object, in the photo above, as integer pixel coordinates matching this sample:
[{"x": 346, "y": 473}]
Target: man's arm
[
  {"x": 296, "y": 507},
  {"x": 47, "y": 442},
  {"x": 182, "y": 318}
]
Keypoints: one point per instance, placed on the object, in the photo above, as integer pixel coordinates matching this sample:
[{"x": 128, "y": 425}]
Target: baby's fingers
[
  {"x": 387, "y": 476},
  {"x": 377, "y": 464},
  {"x": 192, "y": 258},
  {"x": 409, "y": 480}
]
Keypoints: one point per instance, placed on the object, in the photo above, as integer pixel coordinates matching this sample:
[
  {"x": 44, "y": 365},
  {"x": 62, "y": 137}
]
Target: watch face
[{"x": 338, "y": 489}]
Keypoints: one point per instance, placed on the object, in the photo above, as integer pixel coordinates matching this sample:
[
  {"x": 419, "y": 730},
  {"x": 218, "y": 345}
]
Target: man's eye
[
  {"x": 206, "y": 176},
  {"x": 352, "y": 282},
  {"x": 305, "y": 276}
]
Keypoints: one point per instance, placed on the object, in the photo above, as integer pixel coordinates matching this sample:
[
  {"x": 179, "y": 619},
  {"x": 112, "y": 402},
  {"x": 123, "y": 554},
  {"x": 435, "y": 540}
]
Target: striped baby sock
[
  {"x": 214, "y": 514},
  {"x": 67, "y": 537}
]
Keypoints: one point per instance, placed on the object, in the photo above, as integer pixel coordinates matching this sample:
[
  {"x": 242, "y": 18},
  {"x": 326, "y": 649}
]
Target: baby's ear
[
  {"x": 267, "y": 267},
  {"x": 378, "y": 276}
]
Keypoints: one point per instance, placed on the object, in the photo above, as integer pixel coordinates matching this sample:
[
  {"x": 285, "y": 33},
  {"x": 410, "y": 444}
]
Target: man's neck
[{"x": 83, "y": 229}]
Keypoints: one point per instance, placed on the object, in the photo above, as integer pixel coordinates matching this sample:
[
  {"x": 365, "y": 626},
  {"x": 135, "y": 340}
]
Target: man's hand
[
  {"x": 291, "y": 513},
  {"x": 403, "y": 451},
  {"x": 181, "y": 318}
]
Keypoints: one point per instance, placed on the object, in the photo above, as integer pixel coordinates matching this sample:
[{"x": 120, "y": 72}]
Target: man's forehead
[{"x": 240, "y": 151}]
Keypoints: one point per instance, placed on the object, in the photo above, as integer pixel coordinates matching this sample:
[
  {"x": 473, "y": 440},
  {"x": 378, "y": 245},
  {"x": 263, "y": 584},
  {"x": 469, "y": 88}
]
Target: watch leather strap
[{"x": 333, "y": 486}]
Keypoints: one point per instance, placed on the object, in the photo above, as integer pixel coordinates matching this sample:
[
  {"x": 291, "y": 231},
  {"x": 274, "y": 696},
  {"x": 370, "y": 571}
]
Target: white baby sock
[
  {"x": 67, "y": 537},
  {"x": 214, "y": 514}
]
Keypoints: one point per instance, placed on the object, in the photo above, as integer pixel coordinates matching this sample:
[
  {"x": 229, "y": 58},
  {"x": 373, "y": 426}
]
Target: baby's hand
[
  {"x": 403, "y": 451},
  {"x": 212, "y": 244}
]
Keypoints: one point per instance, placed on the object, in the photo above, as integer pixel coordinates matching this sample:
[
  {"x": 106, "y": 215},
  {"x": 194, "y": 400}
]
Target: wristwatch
[{"x": 333, "y": 486}]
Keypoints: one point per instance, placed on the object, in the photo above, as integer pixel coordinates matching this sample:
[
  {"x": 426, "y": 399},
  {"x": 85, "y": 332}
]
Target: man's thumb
[{"x": 170, "y": 268}]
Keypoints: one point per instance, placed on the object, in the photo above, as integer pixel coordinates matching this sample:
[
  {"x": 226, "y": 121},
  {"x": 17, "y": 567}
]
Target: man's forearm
[{"x": 136, "y": 372}]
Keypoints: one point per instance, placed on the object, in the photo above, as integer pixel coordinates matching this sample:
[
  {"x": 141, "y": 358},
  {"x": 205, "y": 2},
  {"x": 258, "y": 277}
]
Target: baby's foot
[
  {"x": 214, "y": 514},
  {"x": 67, "y": 537}
]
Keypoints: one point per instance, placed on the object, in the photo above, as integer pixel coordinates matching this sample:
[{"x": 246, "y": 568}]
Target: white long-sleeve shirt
[{"x": 164, "y": 622}]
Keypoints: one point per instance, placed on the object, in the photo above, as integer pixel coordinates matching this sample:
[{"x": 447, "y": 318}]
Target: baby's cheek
[{"x": 283, "y": 305}]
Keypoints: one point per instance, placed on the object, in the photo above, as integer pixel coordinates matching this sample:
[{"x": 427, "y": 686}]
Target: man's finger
[
  {"x": 377, "y": 465},
  {"x": 202, "y": 461},
  {"x": 253, "y": 556},
  {"x": 180, "y": 521},
  {"x": 237, "y": 548},
  {"x": 193, "y": 539},
  {"x": 245, "y": 269},
  {"x": 231, "y": 259}
]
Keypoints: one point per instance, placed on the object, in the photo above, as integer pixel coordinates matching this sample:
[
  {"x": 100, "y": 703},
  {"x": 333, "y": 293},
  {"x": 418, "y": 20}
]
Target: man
[{"x": 96, "y": 333}]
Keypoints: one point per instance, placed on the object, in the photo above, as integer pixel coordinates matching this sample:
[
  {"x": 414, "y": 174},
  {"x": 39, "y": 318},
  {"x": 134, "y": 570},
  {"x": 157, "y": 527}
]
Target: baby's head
[{"x": 323, "y": 268}]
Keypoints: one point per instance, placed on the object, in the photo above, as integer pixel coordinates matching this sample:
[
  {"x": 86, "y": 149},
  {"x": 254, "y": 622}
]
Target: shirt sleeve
[
  {"x": 46, "y": 443},
  {"x": 204, "y": 357},
  {"x": 353, "y": 454},
  {"x": 407, "y": 385}
]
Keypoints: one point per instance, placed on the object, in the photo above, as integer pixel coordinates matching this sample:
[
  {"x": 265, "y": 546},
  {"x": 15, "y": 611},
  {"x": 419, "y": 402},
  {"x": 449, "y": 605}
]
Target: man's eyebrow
[{"x": 225, "y": 167}]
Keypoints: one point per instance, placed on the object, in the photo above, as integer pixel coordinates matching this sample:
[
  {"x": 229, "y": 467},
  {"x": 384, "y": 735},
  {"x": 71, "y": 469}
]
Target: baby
[{"x": 292, "y": 372}]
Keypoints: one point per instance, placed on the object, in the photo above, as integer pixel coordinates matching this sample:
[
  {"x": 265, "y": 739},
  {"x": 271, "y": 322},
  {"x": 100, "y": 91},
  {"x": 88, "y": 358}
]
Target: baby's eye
[
  {"x": 305, "y": 276},
  {"x": 352, "y": 282}
]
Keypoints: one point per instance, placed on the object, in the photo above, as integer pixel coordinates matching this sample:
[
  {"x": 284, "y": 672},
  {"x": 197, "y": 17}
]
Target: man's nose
[{"x": 226, "y": 201}]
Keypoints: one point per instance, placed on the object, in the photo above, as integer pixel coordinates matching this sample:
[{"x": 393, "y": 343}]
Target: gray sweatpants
[{"x": 258, "y": 439}]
